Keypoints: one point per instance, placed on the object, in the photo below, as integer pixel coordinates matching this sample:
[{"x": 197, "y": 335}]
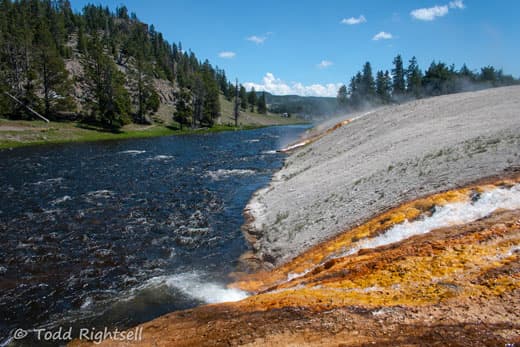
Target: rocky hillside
[{"x": 102, "y": 67}]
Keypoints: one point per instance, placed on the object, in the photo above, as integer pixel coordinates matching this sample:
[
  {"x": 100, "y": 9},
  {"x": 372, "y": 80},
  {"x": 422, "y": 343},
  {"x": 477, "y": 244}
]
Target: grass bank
[{"x": 29, "y": 133}]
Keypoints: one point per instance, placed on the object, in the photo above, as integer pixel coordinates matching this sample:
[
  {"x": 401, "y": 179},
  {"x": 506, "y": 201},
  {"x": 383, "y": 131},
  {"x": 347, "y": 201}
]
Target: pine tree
[
  {"x": 466, "y": 73},
  {"x": 110, "y": 103},
  {"x": 25, "y": 61},
  {"x": 243, "y": 97},
  {"x": 5, "y": 103},
  {"x": 211, "y": 102},
  {"x": 52, "y": 70},
  {"x": 368, "y": 89},
  {"x": 387, "y": 87},
  {"x": 380, "y": 85},
  {"x": 342, "y": 97},
  {"x": 489, "y": 74},
  {"x": 261, "y": 104},
  {"x": 221, "y": 80},
  {"x": 122, "y": 12},
  {"x": 82, "y": 43},
  {"x": 413, "y": 79},
  {"x": 398, "y": 84},
  {"x": 197, "y": 91},
  {"x": 437, "y": 79},
  {"x": 183, "y": 110},
  {"x": 236, "y": 106},
  {"x": 355, "y": 90},
  {"x": 251, "y": 98},
  {"x": 229, "y": 94},
  {"x": 147, "y": 97},
  {"x": 383, "y": 86}
]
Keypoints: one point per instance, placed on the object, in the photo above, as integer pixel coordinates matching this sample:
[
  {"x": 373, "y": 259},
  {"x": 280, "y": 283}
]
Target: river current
[{"x": 112, "y": 234}]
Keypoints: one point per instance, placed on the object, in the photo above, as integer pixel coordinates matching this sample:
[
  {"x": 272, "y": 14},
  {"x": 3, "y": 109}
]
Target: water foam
[
  {"x": 293, "y": 275},
  {"x": 49, "y": 181},
  {"x": 448, "y": 215},
  {"x": 132, "y": 151},
  {"x": 223, "y": 173},
  {"x": 61, "y": 200},
  {"x": 161, "y": 157},
  {"x": 102, "y": 193},
  {"x": 192, "y": 285},
  {"x": 87, "y": 303}
]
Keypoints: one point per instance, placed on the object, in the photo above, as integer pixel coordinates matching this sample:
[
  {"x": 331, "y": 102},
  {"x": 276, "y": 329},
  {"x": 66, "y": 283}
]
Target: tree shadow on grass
[
  {"x": 99, "y": 128},
  {"x": 173, "y": 127}
]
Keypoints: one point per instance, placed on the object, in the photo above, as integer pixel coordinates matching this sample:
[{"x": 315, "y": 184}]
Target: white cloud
[
  {"x": 431, "y": 13},
  {"x": 227, "y": 54},
  {"x": 325, "y": 64},
  {"x": 354, "y": 20},
  {"x": 276, "y": 86},
  {"x": 257, "y": 39},
  {"x": 382, "y": 36},
  {"x": 457, "y": 4}
]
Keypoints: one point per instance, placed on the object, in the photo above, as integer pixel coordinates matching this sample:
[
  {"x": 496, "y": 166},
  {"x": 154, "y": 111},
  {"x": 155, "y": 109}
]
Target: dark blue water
[{"x": 112, "y": 234}]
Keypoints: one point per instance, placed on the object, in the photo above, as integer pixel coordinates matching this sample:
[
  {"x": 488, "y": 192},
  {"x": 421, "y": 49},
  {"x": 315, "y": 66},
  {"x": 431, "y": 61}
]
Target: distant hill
[{"x": 308, "y": 107}]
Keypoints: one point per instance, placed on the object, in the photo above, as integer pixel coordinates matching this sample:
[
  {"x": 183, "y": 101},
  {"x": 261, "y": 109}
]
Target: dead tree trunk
[
  {"x": 237, "y": 104},
  {"x": 27, "y": 107}
]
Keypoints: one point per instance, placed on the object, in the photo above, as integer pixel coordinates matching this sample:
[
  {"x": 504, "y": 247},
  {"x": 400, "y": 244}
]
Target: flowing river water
[{"x": 112, "y": 234}]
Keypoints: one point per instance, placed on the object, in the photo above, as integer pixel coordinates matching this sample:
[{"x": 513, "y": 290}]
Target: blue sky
[{"x": 310, "y": 47}]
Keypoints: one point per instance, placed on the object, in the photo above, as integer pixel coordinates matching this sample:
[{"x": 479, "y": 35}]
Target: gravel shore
[{"x": 380, "y": 160}]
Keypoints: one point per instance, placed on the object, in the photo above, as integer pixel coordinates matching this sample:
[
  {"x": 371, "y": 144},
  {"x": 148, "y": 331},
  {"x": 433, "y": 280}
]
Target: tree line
[
  {"x": 405, "y": 83},
  {"x": 251, "y": 100},
  {"x": 98, "y": 66},
  {"x": 189, "y": 107}
]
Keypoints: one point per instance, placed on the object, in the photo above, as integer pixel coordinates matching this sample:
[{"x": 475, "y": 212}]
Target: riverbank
[{"x": 30, "y": 133}]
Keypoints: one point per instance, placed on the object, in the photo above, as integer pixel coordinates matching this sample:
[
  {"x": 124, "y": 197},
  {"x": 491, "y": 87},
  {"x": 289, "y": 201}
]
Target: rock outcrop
[{"x": 380, "y": 160}]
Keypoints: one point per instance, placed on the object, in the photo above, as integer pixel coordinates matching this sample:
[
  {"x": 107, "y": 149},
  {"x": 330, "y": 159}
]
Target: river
[{"x": 112, "y": 234}]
